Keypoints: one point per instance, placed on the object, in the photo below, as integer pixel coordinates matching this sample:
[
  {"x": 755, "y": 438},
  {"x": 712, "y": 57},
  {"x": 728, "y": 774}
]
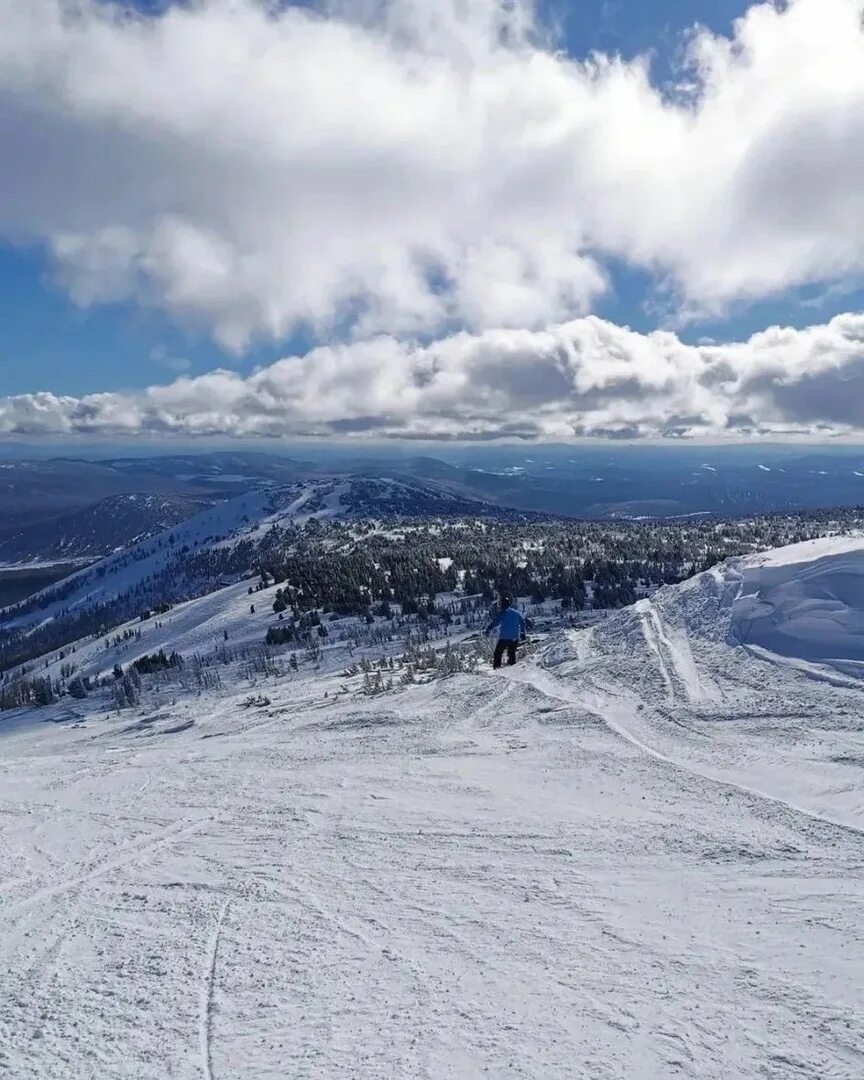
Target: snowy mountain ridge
[
  {"x": 800, "y": 604},
  {"x": 132, "y": 567},
  {"x": 246, "y": 518},
  {"x": 99, "y": 529}
]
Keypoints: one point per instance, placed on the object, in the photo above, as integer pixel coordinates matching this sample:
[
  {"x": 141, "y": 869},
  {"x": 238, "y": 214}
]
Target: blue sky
[
  {"x": 410, "y": 193},
  {"x": 51, "y": 343}
]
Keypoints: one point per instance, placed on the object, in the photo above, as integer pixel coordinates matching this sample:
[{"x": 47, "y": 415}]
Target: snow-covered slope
[
  {"x": 804, "y": 603},
  {"x": 638, "y": 855},
  {"x": 158, "y": 567},
  {"x": 739, "y": 647},
  {"x": 96, "y": 530},
  {"x": 145, "y": 561},
  {"x": 196, "y": 626}
]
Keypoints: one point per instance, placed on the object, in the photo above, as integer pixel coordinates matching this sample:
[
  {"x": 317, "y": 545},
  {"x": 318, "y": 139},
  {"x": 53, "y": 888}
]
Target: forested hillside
[{"x": 358, "y": 566}]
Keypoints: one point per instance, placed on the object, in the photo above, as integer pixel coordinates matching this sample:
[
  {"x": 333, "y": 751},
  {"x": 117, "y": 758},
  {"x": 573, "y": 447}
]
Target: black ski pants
[{"x": 504, "y": 645}]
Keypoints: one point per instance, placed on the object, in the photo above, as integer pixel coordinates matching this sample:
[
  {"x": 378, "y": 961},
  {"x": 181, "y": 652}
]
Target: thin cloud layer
[
  {"x": 586, "y": 377},
  {"x": 251, "y": 167}
]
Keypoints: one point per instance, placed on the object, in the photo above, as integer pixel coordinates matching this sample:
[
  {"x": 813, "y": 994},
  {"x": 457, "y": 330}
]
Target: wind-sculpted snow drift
[
  {"x": 802, "y": 604},
  {"x": 805, "y": 601},
  {"x": 772, "y": 644},
  {"x": 637, "y": 856}
]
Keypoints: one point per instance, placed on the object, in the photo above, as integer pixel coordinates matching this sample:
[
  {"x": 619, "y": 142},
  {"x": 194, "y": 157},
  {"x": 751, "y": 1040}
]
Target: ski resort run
[{"x": 637, "y": 853}]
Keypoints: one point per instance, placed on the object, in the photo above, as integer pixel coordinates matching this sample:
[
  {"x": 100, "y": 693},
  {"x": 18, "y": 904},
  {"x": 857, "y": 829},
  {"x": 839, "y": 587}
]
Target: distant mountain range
[{"x": 62, "y": 508}]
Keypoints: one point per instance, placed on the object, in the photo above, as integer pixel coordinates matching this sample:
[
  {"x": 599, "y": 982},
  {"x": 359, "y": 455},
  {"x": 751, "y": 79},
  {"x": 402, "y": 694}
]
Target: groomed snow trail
[
  {"x": 475, "y": 877},
  {"x": 637, "y": 856}
]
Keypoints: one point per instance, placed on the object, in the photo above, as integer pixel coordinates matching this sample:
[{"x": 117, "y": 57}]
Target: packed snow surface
[{"x": 637, "y": 854}]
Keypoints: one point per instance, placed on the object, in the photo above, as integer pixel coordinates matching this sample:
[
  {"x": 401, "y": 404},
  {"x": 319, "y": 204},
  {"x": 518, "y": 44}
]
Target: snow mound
[
  {"x": 721, "y": 639},
  {"x": 805, "y": 601}
]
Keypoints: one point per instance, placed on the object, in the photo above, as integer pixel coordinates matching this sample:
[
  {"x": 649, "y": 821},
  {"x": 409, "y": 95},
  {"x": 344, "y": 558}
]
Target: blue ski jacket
[{"x": 510, "y": 623}]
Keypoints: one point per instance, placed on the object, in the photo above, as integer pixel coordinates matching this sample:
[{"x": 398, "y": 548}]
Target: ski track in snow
[
  {"x": 457, "y": 878},
  {"x": 135, "y": 853},
  {"x": 208, "y": 993},
  {"x": 638, "y": 855},
  {"x": 614, "y": 714}
]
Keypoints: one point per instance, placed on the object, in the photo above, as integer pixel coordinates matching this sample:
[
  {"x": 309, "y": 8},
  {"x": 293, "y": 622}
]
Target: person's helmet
[{"x": 505, "y": 601}]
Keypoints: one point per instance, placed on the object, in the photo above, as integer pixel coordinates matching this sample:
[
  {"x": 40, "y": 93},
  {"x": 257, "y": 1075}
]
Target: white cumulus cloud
[
  {"x": 409, "y": 168},
  {"x": 581, "y": 378},
  {"x": 434, "y": 190}
]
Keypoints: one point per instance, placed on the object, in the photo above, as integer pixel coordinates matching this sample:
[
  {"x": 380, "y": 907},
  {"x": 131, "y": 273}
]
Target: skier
[{"x": 511, "y": 627}]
